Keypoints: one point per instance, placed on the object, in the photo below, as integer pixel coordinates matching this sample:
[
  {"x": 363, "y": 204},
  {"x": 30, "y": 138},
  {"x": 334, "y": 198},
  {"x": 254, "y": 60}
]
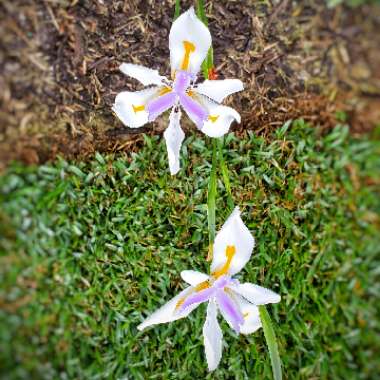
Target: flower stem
[
  {"x": 271, "y": 340},
  {"x": 176, "y": 9},
  {"x": 211, "y": 199},
  {"x": 225, "y": 175}
]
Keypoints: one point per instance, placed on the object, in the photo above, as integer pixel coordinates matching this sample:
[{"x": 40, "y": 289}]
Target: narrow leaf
[{"x": 271, "y": 340}]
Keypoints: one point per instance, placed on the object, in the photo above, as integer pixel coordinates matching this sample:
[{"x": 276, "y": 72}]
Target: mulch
[{"x": 59, "y": 68}]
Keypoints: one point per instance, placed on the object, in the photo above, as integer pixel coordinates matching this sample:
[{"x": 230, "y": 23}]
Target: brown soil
[{"x": 59, "y": 67}]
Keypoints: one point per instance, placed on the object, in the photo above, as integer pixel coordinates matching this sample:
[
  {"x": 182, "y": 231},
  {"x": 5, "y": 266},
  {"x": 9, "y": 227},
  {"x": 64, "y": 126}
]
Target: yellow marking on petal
[
  {"x": 180, "y": 302},
  {"x": 164, "y": 91},
  {"x": 245, "y": 315},
  {"x": 190, "y": 93},
  {"x": 138, "y": 108},
  {"x": 213, "y": 119},
  {"x": 203, "y": 285},
  {"x": 189, "y": 48},
  {"x": 230, "y": 252}
]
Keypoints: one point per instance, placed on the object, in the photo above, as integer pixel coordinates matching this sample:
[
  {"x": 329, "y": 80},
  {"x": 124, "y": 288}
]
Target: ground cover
[
  {"x": 88, "y": 249},
  {"x": 59, "y": 67}
]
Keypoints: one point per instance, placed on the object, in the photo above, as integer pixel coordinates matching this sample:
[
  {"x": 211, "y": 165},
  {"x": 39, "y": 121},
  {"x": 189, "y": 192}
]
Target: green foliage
[
  {"x": 90, "y": 249},
  {"x": 351, "y": 3}
]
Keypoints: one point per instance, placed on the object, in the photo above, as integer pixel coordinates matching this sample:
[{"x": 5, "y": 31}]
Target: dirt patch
[{"x": 59, "y": 67}]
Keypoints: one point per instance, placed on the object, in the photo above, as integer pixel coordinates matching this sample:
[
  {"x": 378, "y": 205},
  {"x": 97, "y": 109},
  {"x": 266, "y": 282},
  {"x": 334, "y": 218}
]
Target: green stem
[
  {"x": 209, "y": 61},
  {"x": 270, "y": 338},
  {"x": 201, "y": 11},
  {"x": 176, "y": 9},
  {"x": 225, "y": 175},
  {"x": 211, "y": 196}
]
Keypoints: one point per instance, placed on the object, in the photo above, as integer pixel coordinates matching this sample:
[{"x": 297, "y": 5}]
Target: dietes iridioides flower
[
  {"x": 237, "y": 302},
  {"x": 189, "y": 42}
]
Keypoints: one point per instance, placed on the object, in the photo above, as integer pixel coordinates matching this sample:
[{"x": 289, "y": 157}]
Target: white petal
[
  {"x": 126, "y": 101},
  {"x": 188, "y": 27},
  {"x": 174, "y": 137},
  {"x": 225, "y": 117},
  {"x": 252, "y": 321},
  {"x": 212, "y": 335},
  {"x": 256, "y": 294},
  {"x": 168, "y": 313},
  {"x": 143, "y": 74},
  {"x": 193, "y": 277},
  {"x": 233, "y": 233},
  {"x": 219, "y": 119},
  {"x": 219, "y": 89}
]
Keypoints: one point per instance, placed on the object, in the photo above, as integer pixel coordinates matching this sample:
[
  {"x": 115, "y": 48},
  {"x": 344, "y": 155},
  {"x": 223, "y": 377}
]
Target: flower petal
[
  {"x": 174, "y": 137},
  {"x": 251, "y": 315},
  {"x": 256, "y": 294},
  {"x": 130, "y": 107},
  {"x": 232, "y": 247},
  {"x": 219, "y": 89},
  {"x": 193, "y": 277},
  {"x": 230, "y": 310},
  {"x": 196, "y": 112},
  {"x": 160, "y": 104},
  {"x": 168, "y": 312},
  {"x": 219, "y": 118},
  {"x": 143, "y": 74},
  {"x": 189, "y": 41},
  {"x": 219, "y": 121},
  {"x": 198, "y": 297},
  {"x": 212, "y": 335}
]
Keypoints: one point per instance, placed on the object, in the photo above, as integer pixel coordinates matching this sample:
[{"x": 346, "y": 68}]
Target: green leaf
[{"x": 271, "y": 340}]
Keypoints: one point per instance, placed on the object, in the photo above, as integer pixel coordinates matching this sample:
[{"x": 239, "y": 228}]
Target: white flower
[
  {"x": 189, "y": 42},
  {"x": 237, "y": 302}
]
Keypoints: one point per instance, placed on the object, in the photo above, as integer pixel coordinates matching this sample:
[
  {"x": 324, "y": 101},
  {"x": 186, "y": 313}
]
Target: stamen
[
  {"x": 138, "y": 108},
  {"x": 230, "y": 252},
  {"x": 189, "y": 48},
  {"x": 164, "y": 91},
  {"x": 213, "y": 119},
  {"x": 190, "y": 93}
]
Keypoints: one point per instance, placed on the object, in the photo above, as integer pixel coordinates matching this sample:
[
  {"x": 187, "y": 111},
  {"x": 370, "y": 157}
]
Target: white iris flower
[
  {"x": 237, "y": 302},
  {"x": 189, "y": 42}
]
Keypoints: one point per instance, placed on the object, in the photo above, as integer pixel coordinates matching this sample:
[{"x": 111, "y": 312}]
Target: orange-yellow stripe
[
  {"x": 189, "y": 48},
  {"x": 230, "y": 252},
  {"x": 138, "y": 108}
]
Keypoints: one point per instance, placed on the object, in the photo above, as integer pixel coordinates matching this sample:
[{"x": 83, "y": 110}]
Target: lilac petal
[
  {"x": 222, "y": 282},
  {"x": 160, "y": 105},
  {"x": 229, "y": 310},
  {"x": 198, "y": 297},
  {"x": 182, "y": 81},
  {"x": 194, "y": 110}
]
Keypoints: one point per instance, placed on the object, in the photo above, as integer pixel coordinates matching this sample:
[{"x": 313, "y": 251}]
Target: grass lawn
[{"x": 90, "y": 249}]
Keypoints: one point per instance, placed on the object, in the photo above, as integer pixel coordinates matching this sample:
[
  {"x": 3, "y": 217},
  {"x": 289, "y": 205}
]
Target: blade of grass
[{"x": 271, "y": 340}]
